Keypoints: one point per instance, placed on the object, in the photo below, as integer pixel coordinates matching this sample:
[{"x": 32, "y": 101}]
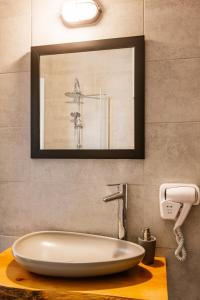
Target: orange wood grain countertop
[{"x": 140, "y": 283}]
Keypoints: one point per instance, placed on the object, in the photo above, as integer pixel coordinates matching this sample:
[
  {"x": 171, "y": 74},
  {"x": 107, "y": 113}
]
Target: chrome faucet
[{"x": 122, "y": 196}]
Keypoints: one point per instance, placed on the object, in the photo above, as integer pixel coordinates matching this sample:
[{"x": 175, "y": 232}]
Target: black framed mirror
[{"x": 87, "y": 99}]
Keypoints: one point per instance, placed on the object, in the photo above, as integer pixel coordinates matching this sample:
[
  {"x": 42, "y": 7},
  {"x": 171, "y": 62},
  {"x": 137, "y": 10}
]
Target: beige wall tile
[
  {"x": 96, "y": 172},
  {"x": 172, "y": 152},
  {"x": 6, "y": 242},
  {"x": 135, "y": 215},
  {"x": 15, "y": 40},
  {"x": 191, "y": 229},
  {"x": 67, "y": 206},
  {"x": 13, "y": 8},
  {"x": 14, "y": 154},
  {"x": 56, "y": 206},
  {"x": 183, "y": 278},
  {"x": 14, "y": 99},
  {"x": 172, "y": 29},
  {"x": 17, "y": 219},
  {"x": 172, "y": 90},
  {"x": 120, "y": 18}
]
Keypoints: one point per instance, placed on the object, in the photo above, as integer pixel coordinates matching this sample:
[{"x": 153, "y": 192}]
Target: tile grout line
[
  {"x": 143, "y": 18},
  {"x": 171, "y": 59},
  {"x": 6, "y": 235},
  {"x": 31, "y": 22},
  {"x": 24, "y": 127},
  {"x": 171, "y": 122},
  {"x": 14, "y": 72},
  {"x": 147, "y": 123}
]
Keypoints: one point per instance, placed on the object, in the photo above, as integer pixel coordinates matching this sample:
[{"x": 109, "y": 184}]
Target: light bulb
[{"x": 77, "y": 13}]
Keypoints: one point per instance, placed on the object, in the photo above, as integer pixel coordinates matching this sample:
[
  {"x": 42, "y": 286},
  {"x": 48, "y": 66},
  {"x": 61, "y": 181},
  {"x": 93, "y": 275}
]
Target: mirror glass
[{"x": 87, "y": 100}]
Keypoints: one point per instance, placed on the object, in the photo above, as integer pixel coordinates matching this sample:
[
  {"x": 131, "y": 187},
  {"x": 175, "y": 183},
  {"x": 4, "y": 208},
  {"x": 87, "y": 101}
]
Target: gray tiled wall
[{"x": 66, "y": 194}]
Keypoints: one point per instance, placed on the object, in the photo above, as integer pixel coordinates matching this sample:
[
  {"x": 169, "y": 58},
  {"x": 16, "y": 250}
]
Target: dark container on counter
[{"x": 148, "y": 241}]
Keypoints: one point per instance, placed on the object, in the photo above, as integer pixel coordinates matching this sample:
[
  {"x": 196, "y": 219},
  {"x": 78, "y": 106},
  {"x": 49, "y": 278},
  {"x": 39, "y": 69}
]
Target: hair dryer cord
[{"x": 180, "y": 252}]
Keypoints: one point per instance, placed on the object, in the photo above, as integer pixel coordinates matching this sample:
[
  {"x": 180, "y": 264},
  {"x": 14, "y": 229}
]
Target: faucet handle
[{"x": 118, "y": 185}]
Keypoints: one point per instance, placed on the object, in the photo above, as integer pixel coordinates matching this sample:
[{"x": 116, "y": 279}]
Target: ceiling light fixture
[{"x": 76, "y": 13}]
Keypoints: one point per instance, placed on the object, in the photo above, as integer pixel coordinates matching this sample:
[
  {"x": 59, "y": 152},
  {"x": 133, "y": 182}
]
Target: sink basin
[{"x": 69, "y": 254}]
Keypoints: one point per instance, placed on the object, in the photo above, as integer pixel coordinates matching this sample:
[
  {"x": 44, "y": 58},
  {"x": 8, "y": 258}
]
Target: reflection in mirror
[{"x": 87, "y": 100}]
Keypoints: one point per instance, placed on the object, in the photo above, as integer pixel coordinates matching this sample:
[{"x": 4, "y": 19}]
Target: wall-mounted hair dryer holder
[{"x": 176, "y": 200}]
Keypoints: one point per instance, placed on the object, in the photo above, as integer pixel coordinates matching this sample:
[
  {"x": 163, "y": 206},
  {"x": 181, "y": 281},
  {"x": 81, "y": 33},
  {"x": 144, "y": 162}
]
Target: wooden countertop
[{"x": 140, "y": 283}]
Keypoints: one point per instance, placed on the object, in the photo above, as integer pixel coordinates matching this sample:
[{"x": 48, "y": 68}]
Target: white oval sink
[{"x": 68, "y": 254}]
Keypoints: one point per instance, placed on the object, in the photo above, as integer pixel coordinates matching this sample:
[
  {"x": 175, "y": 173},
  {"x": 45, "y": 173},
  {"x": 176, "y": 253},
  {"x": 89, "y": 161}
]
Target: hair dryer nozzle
[{"x": 181, "y": 194}]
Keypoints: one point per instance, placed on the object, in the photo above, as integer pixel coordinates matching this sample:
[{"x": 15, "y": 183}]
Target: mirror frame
[{"x": 106, "y": 44}]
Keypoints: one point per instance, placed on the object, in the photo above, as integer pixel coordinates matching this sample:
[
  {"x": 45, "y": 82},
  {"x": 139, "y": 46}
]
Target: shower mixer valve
[{"x": 76, "y": 119}]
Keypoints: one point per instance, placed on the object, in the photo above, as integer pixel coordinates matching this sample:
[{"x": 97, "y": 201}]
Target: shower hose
[{"x": 180, "y": 252}]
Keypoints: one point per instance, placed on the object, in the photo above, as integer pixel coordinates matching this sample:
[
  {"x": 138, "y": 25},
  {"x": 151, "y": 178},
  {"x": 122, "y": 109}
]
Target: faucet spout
[{"x": 112, "y": 197}]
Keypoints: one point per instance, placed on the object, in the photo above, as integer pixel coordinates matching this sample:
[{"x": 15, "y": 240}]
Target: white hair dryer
[{"x": 176, "y": 200}]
